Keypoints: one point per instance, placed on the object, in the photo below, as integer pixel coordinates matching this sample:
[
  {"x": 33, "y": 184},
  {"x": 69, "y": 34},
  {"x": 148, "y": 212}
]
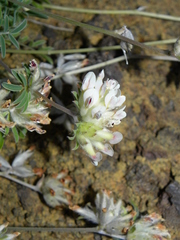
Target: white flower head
[
  {"x": 18, "y": 166},
  {"x": 53, "y": 190},
  {"x": 148, "y": 227},
  {"x": 113, "y": 219},
  {"x": 100, "y": 108}
]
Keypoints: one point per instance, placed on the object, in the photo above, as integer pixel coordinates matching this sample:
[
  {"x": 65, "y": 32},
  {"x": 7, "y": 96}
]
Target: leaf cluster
[{"x": 13, "y": 21}]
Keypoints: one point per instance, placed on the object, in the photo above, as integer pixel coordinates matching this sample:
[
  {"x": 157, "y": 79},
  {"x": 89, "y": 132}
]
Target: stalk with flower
[{"x": 100, "y": 108}]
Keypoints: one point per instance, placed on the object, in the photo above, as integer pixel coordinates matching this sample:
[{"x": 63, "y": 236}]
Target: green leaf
[
  {"x": 6, "y": 130},
  {"x": 20, "y": 27},
  {"x": 23, "y": 79},
  {"x": 15, "y": 133},
  {"x": 37, "y": 43},
  {"x": 76, "y": 103},
  {"x": 28, "y": 72},
  {"x": 47, "y": 58},
  {"x": 14, "y": 41},
  {"x": 23, "y": 101},
  {"x": 22, "y": 133},
  {"x": 75, "y": 94},
  {"x": 14, "y": 17},
  {"x": 76, "y": 147},
  {"x": 1, "y": 140},
  {"x": 21, "y": 96},
  {"x": 71, "y": 138},
  {"x": 25, "y": 105},
  {"x": 12, "y": 87},
  {"x": 14, "y": 73},
  {"x": 6, "y": 23},
  {"x": 23, "y": 39},
  {"x": 3, "y": 46},
  {"x": 37, "y": 14}
]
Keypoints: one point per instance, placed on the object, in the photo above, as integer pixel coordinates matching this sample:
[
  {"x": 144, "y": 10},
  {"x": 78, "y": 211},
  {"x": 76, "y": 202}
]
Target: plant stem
[
  {"x": 50, "y": 26},
  {"x": 61, "y": 108},
  {"x": 85, "y": 50},
  {"x": 32, "y": 187},
  {"x": 119, "y": 12},
  {"x": 87, "y": 26},
  {"x": 112, "y": 61},
  {"x": 53, "y": 229}
]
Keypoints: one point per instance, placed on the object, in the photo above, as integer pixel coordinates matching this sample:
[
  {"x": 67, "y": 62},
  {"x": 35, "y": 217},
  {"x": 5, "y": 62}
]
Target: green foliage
[{"x": 13, "y": 21}]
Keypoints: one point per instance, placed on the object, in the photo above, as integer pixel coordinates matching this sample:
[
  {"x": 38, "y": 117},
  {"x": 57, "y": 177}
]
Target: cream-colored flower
[{"x": 100, "y": 108}]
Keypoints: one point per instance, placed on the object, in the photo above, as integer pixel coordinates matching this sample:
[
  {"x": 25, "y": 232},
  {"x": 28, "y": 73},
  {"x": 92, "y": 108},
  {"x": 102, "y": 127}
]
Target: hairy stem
[
  {"x": 61, "y": 108},
  {"x": 52, "y": 229},
  {"x": 112, "y": 61},
  {"x": 32, "y": 187},
  {"x": 85, "y": 50},
  {"x": 119, "y": 12}
]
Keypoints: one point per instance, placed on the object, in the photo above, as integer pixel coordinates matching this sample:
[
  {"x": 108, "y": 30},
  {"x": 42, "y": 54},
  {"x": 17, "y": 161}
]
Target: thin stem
[
  {"x": 61, "y": 108},
  {"x": 32, "y": 187},
  {"x": 119, "y": 12},
  {"x": 52, "y": 229},
  {"x": 87, "y": 26},
  {"x": 50, "y": 26},
  {"x": 112, "y": 61},
  {"x": 85, "y": 50}
]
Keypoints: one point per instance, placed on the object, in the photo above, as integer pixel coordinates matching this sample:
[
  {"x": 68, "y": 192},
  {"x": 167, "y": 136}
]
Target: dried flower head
[
  {"x": 7, "y": 236},
  {"x": 27, "y": 110},
  {"x": 18, "y": 166},
  {"x": 54, "y": 191},
  {"x": 65, "y": 63},
  {"x": 125, "y": 46},
  {"x": 147, "y": 228},
  {"x": 112, "y": 218},
  {"x": 100, "y": 108}
]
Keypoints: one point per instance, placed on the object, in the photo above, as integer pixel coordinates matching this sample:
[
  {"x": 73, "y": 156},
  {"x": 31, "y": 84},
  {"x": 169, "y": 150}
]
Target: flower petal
[
  {"x": 120, "y": 101},
  {"x": 96, "y": 159},
  {"x": 108, "y": 150},
  {"x": 4, "y": 165},
  {"x": 21, "y": 158},
  {"x": 90, "y": 97},
  {"x": 88, "y": 81},
  {"x": 99, "y": 81},
  {"x": 112, "y": 84},
  {"x": 117, "y": 137},
  {"x": 105, "y": 134},
  {"x": 97, "y": 111},
  {"x": 89, "y": 149},
  {"x": 120, "y": 114}
]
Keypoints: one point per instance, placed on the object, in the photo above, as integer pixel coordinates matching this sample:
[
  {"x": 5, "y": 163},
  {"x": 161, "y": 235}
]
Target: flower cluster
[
  {"x": 112, "y": 219},
  {"x": 117, "y": 221},
  {"x": 7, "y": 236},
  {"x": 65, "y": 63},
  {"x": 54, "y": 191},
  {"x": 18, "y": 166},
  {"x": 100, "y": 108},
  {"x": 27, "y": 110},
  {"x": 148, "y": 227}
]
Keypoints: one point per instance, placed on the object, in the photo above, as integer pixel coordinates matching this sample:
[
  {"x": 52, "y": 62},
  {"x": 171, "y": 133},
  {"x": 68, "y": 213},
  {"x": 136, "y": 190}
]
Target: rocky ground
[{"x": 145, "y": 168}]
